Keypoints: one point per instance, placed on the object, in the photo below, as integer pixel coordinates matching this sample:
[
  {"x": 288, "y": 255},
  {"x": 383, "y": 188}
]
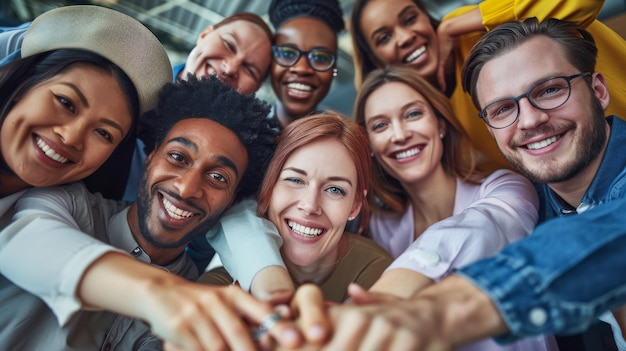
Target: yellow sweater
[{"x": 611, "y": 56}]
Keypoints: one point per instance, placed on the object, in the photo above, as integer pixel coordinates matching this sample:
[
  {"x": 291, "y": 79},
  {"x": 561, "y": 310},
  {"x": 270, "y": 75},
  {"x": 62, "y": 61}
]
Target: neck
[
  {"x": 317, "y": 272},
  {"x": 283, "y": 116},
  {"x": 573, "y": 190},
  {"x": 432, "y": 198},
  {"x": 158, "y": 256}
]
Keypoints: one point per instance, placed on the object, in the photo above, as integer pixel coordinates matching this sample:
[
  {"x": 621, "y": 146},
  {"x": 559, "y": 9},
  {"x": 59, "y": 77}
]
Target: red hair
[{"x": 304, "y": 131}]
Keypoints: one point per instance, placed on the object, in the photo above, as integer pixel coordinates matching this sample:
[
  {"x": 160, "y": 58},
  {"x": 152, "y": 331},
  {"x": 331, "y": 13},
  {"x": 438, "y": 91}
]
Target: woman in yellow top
[{"x": 402, "y": 32}]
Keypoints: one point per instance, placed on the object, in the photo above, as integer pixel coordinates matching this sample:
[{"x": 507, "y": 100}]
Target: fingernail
[
  {"x": 316, "y": 332},
  {"x": 290, "y": 336}
]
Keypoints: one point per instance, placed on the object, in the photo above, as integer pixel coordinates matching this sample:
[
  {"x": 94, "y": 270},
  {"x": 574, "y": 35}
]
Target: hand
[
  {"x": 360, "y": 296},
  {"x": 392, "y": 325},
  {"x": 191, "y": 316},
  {"x": 446, "y": 46}
]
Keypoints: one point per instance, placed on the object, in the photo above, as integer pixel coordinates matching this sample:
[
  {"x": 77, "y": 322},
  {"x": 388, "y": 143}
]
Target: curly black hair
[
  {"x": 245, "y": 115},
  {"x": 327, "y": 11}
]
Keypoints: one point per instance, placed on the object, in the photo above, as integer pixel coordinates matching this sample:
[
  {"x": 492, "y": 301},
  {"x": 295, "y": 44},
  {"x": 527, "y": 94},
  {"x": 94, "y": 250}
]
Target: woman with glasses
[
  {"x": 432, "y": 209},
  {"x": 403, "y": 32},
  {"x": 304, "y": 54}
]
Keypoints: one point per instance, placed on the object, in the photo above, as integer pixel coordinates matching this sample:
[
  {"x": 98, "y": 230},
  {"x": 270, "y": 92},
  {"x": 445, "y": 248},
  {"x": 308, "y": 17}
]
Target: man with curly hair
[{"x": 208, "y": 147}]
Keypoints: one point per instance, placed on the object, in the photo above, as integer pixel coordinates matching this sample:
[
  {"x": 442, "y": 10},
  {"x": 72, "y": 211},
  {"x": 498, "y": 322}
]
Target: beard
[
  {"x": 144, "y": 213},
  {"x": 590, "y": 145}
]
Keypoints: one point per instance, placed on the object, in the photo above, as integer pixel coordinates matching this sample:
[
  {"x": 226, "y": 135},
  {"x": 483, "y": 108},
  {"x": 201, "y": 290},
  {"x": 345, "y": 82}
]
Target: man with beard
[
  {"x": 543, "y": 102},
  {"x": 208, "y": 150}
]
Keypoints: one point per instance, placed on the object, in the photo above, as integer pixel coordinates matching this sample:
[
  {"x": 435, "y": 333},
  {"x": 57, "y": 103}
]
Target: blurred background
[{"x": 178, "y": 22}]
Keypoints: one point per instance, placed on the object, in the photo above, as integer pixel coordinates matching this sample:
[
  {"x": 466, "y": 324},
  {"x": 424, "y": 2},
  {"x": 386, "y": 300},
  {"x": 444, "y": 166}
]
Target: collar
[
  {"x": 122, "y": 237},
  {"x": 611, "y": 168}
]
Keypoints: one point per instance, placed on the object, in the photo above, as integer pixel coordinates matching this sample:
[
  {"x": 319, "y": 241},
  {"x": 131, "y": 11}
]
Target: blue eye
[{"x": 336, "y": 190}]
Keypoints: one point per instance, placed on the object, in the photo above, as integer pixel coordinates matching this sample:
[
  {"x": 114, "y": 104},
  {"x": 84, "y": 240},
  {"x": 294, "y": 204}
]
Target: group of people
[{"x": 460, "y": 203}]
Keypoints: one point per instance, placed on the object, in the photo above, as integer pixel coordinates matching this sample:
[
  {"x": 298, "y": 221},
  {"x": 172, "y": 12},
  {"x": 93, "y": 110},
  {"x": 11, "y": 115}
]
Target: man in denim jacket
[{"x": 542, "y": 101}]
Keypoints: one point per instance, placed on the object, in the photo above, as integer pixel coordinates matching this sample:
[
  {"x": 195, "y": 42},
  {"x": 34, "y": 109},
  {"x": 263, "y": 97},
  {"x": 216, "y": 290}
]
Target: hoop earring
[{"x": 335, "y": 72}]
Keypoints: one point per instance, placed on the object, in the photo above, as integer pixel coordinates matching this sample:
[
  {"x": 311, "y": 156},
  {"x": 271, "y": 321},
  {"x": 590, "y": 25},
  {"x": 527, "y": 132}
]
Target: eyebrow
[
  {"x": 85, "y": 103},
  {"x": 335, "y": 179},
  {"x": 400, "y": 14},
  {"x": 223, "y": 160}
]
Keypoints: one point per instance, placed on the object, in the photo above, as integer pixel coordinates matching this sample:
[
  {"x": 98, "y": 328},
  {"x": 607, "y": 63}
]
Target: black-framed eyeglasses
[
  {"x": 319, "y": 59},
  {"x": 547, "y": 94}
]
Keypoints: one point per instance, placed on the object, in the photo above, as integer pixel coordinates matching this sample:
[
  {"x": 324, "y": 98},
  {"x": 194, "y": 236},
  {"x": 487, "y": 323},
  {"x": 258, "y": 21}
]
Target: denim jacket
[{"x": 570, "y": 269}]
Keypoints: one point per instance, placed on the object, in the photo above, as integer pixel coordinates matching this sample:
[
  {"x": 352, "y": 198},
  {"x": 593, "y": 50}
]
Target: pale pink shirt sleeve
[{"x": 486, "y": 218}]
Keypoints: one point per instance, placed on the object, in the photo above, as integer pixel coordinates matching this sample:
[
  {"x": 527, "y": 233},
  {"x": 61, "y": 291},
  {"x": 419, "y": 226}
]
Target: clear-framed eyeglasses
[
  {"x": 547, "y": 94},
  {"x": 320, "y": 59}
]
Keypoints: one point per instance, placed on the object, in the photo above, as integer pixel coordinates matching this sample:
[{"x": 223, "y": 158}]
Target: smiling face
[
  {"x": 300, "y": 88},
  {"x": 398, "y": 32},
  {"x": 238, "y": 52},
  {"x": 404, "y": 132},
  {"x": 190, "y": 180},
  {"x": 62, "y": 130},
  {"x": 546, "y": 146},
  {"x": 311, "y": 201}
]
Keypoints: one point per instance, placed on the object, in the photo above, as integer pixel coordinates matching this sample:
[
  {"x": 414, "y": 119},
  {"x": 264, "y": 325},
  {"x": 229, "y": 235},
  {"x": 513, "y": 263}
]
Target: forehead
[
  {"x": 244, "y": 29},
  {"x": 211, "y": 139},
  {"x": 380, "y": 12},
  {"x": 391, "y": 97},
  {"x": 496, "y": 81},
  {"x": 325, "y": 158},
  {"x": 306, "y": 33}
]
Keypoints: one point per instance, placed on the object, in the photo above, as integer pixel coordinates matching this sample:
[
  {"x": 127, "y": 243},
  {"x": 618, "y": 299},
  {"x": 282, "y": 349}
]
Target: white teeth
[
  {"x": 49, "y": 152},
  {"x": 417, "y": 53},
  {"x": 304, "y": 231},
  {"x": 408, "y": 153},
  {"x": 299, "y": 86},
  {"x": 174, "y": 211},
  {"x": 542, "y": 144}
]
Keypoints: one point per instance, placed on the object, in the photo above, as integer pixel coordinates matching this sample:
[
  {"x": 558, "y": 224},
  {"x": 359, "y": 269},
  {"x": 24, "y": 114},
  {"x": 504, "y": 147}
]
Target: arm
[
  {"x": 541, "y": 273},
  {"x": 243, "y": 234},
  {"x": 499, "y": 294},
  {"x": 496, "y": 12},
  {"x": 188, "y": 315},
  {"x": 79, "y": 270},
  {"x": 45, "y": 250},
  {"x": 502, "y": 210}
]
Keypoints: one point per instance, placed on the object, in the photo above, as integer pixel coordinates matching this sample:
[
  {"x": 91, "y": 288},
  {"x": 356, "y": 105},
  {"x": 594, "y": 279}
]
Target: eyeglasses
[
  {"x": 546, "y": 95},
  {"x": 319, "y": 59}
]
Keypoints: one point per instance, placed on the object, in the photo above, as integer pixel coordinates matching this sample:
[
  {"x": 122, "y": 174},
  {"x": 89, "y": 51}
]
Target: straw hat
[{"x": 116, "y": 36}]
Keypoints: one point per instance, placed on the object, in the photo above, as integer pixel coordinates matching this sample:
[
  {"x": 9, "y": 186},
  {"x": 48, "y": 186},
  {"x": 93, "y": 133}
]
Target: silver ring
[{"x": 266, "y": 325}]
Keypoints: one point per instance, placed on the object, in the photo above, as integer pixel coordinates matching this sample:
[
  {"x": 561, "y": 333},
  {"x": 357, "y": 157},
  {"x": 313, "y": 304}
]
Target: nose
[
  {"x": 399, "y": 133},
  {"x": 405, "y": 36},
  {"x": 309, "y": 203},
  {"x": 302, "y": 66},
  {"x": 188, "y": 184},
  {"x": 530, "y": 116},
  {"x": 230, "y": 67},
  {"x": 72, "y": 133}
]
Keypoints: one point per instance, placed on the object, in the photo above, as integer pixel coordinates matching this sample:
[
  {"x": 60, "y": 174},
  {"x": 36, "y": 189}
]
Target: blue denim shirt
[{"x": 570, "y": 269}]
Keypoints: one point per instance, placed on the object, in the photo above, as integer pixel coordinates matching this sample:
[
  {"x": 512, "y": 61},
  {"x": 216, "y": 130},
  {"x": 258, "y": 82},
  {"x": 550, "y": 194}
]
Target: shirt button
[
  {"x": 107, "y": 346},
  {"x": 538, "y": 316}
]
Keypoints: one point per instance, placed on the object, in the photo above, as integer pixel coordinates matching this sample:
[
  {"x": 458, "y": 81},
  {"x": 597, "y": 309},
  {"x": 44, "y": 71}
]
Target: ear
[
  {"x": 442, "y": 126},
  {"x": 356, "y": 208},
  {"x": 149, "y": 157},
  {"x": 204, "y": 33},
  {"x": 600, "y": 89}
]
